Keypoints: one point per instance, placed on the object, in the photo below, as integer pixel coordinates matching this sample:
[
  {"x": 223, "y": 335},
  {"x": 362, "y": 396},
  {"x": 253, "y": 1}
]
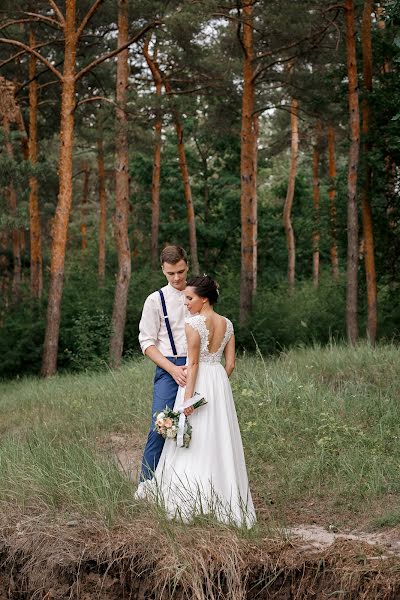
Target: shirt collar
[{"x": 173, "y": 290}]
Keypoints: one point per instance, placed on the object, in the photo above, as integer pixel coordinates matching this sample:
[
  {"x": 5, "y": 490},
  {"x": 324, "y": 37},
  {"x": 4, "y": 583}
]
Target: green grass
[{"x": 320, "y": 427}]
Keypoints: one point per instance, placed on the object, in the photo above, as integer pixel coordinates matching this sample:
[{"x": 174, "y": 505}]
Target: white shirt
[{"x": 152, "y": 328}]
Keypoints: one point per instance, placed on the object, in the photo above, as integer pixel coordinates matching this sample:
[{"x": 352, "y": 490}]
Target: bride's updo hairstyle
[{"x": 205, "y": 287}]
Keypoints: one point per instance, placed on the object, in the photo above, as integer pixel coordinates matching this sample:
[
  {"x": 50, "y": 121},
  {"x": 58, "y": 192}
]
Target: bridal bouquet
[{"x": 174, "y": 425}]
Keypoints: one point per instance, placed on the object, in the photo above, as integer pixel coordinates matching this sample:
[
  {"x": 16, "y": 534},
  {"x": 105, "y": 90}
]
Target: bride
[{"x": 210, "y": 476}]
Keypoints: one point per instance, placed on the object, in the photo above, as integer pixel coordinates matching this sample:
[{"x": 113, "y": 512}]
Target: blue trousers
[{"x": 164, "y": 394}]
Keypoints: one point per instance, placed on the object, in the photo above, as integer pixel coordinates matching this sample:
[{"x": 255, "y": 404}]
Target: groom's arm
[{"x": 149, "y": 328}]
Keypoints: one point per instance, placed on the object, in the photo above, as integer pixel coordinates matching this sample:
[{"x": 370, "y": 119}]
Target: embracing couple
[{"x": 186, "y": 339}]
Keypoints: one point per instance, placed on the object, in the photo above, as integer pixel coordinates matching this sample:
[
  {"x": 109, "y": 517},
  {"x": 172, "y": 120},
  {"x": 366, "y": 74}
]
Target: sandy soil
[{"x": 319, "y": 538}]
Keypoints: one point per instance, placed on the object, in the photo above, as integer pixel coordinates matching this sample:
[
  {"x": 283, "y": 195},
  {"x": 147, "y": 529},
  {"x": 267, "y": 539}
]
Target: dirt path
[{"x": 314, "y": 537}]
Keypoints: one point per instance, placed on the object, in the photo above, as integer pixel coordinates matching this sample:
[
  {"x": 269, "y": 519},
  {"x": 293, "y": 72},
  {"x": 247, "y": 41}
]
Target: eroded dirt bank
[{"x": 43, "y": 559}]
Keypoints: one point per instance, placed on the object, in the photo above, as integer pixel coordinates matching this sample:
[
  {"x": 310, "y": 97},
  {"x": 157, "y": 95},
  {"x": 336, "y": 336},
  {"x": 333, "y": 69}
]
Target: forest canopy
[{"x": 262, "y": 137}]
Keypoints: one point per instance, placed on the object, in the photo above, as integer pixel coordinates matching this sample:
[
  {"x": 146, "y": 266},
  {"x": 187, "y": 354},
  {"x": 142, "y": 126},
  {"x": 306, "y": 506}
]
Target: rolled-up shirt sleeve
[{"x": 149, "y": 324}]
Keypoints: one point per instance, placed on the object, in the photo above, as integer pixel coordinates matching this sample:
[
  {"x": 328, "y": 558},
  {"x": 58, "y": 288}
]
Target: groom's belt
[{"x": 173, "y": 359}]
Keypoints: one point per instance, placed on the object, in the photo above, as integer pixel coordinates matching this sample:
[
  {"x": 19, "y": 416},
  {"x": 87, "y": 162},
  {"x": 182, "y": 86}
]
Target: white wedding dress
[{"x": 210, "y": 476}]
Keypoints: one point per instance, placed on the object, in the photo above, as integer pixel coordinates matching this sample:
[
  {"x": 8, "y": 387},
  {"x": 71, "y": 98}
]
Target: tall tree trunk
[
  {"x": 188, "y": 196},
  {"x": 204, "y": 153},
  {"x": 369, "y": 255},
  {"x": 34, "y": 213},
  {"x": 36, "y": 269},
  {"x": 248, "y": 171},
  {"x": 186, "y": 187},
  {"x": 354, "y": 135},
  {"x": 121, "y": 194},
  {"x": 12, "y": 202},
  {"x": 287, "y": 209},
  {"x": 155, "y": 183},
  {"x": 61, "y": 217},
  {"x": 316, "y": 204},
  {"x": 206, "y": 198},
  {"x": 332, "y": 202},
  {"x": 101, "y": 177},
  {"x": 84, "y": 201}
]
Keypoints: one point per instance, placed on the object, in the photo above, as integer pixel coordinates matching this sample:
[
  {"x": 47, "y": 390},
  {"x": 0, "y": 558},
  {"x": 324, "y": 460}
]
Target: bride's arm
[
  {"x": 230, "y": 356},
  {"x": 193, "y": 346}
]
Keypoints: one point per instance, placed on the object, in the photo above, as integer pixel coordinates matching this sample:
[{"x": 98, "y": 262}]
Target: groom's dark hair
[
  {"x": 205, "y": 287},
  {"x": 172, "y": 255}
]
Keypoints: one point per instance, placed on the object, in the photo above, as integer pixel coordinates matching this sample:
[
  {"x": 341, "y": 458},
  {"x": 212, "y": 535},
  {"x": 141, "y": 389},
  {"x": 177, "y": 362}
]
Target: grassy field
[{"x": 320, "y": 429}]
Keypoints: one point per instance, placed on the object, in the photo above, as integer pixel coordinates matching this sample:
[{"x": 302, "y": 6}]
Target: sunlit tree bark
[
  {"x": 191, "y": 219},
  {"x": 61, "y": 217},
  {"x": 155, "y": 183},
  {"x": 368, "y": 234}
]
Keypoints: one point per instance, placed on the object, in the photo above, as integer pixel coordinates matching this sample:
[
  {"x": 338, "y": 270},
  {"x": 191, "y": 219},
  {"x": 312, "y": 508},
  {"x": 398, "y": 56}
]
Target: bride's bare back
[{"x": 216, "y": 326}]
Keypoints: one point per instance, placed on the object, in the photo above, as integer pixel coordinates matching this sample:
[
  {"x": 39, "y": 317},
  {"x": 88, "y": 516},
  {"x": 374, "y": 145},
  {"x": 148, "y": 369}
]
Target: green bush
[{"x": 282, "y": 320}]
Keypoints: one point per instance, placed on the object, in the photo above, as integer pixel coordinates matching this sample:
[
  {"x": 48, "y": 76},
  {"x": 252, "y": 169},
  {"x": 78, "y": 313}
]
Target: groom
[{"x": 162, "y": 339}]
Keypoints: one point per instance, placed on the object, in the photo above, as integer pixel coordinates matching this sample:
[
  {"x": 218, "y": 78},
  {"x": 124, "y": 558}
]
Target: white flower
[
  {"x": 161, "y": 415},
  {"x": 170, "y": 433}
]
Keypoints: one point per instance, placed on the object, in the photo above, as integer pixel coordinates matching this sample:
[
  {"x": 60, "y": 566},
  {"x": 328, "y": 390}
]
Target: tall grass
[{"x": 318, "y": 425}]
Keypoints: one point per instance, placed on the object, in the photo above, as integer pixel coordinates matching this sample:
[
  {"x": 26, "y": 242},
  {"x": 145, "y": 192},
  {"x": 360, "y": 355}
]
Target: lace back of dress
[{"x": 198, "y": 323}]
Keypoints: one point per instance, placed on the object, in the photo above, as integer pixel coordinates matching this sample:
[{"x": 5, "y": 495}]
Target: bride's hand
[{"x": 188, "y": 411}]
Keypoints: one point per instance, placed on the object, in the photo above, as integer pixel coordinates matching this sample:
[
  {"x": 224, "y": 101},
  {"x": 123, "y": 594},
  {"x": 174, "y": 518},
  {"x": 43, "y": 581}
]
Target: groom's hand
[{"x": 179, "y": 375}]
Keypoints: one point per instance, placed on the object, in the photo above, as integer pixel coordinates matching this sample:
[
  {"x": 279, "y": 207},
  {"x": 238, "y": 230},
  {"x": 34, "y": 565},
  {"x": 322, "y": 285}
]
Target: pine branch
[
  {"x": 93, "y": 99},
  {"x": 313, "y": 36},
  {"x": 58, "y": 12},
  {"x": 101, "y": 59},
  {"x": 87, "y": 18},
  {"x": 237, "y": 20},
  {"x": 152, "y": 64},
  {"x": 14, "y": 22},
  {"x": 49, "y": 20},
  {"x": 34, "y": 53},
  {"x": 36, "y": 78},
  {"x": 12, "y": 58},
  {"x": 190, "y": 91},
  {"x": 335, "y": 7}
]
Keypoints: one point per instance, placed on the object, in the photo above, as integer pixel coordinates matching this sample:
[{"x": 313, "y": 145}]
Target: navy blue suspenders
[{"x": 168, "y": 326}]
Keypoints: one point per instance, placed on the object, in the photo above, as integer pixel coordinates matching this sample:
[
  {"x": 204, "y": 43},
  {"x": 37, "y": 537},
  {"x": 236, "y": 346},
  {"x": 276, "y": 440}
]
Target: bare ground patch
[{"x": 127, "y": 451}]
